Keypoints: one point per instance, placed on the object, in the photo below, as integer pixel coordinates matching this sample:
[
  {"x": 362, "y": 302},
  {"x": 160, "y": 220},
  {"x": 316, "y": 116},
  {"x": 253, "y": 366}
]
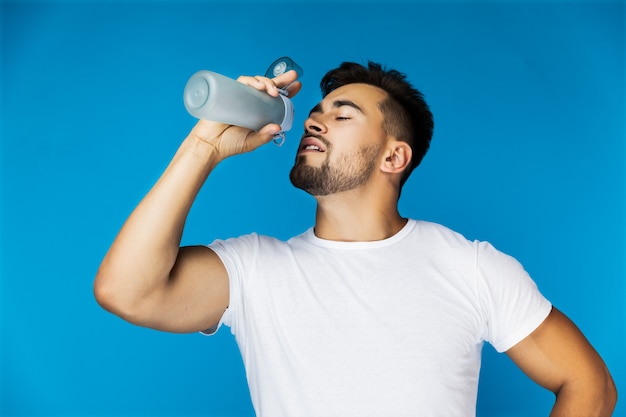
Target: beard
[{"x": 347, "y": 173}]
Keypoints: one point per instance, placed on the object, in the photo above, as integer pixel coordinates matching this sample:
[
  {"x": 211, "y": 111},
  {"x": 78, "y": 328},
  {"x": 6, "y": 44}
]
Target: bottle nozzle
[{"x": 281, "y": 66}]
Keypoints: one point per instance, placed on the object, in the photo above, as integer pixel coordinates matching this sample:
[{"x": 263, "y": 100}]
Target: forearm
[{"x": 144, "y": 252}]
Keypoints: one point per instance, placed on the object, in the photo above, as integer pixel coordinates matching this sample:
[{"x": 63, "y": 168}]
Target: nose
[{"x": 313, "y": 124}]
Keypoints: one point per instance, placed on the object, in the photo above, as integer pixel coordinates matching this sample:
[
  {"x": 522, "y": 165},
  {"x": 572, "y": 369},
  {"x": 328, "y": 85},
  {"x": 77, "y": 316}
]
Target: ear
[{"x": 397, "y": 157}]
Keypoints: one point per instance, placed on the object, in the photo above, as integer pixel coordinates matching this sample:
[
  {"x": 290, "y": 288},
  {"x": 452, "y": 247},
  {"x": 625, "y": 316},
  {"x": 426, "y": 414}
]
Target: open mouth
[
  {"x": 311, "y": 148},
  {"x": 311, "y": 144}
]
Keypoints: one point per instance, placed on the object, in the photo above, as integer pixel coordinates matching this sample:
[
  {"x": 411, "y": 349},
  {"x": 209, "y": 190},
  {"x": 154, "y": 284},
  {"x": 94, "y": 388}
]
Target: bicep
[
  {"x": 196, "y": 295},
  {"x": 557, "y": 353}
]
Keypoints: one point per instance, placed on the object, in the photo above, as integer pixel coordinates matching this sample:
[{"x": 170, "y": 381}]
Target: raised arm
[
  {"x": 558, "y": 357},
  {"x": 146, "y": 278}
]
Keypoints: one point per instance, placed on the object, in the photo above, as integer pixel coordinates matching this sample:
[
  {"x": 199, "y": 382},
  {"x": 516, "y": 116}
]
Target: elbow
[
  {"x": 105, "y": 293},
  {"x": 113, "y": 296},
  {"x": 597, "y": 397},
  {"x": 610, "y": 395},
  {"x": 591, "y": 395},
  {"x": 605, "y": 394},
  {"x": 118, "y": 293}
]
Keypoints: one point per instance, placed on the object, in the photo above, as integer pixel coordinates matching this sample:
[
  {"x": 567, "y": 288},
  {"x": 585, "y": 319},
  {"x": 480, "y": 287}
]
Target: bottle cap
[{"x": 281, "y": 66}]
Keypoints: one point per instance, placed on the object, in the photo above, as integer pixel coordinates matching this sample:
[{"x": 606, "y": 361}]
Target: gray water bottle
[{"x": 213, "y": 96}]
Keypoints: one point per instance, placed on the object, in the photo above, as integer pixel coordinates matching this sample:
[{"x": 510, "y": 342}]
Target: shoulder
[
  {"x": 435, "y": 234},
  {"x": 254, "y": 243},
  {"x": 247, "y": 241}
]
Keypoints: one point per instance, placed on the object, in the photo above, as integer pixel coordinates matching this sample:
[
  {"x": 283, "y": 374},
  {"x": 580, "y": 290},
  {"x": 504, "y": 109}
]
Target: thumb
[
  {"x": 263, "y": 136},
  {"x": 236, "y": 140}
]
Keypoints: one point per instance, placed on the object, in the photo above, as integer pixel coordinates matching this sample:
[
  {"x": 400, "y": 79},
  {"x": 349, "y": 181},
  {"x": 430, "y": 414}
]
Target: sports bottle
[{"x": 212, "y": 96}]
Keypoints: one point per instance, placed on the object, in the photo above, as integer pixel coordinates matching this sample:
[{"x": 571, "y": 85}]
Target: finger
[
  {"x": 263, "y": 136},
  {"x": 270, "y": 85},
  {"x": 270, "y": 129},
  {"x": 260, "y": 83},
  {"x": 285, "y": 79},
  {"x": 251, "y": 81},
  {"x": 293, "y": 88}
]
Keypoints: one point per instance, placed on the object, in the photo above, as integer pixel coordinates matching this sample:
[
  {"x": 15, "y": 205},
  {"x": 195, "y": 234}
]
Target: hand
[
  {"x": 286, "y": 81},
  {"x": 228, "y": 140}
]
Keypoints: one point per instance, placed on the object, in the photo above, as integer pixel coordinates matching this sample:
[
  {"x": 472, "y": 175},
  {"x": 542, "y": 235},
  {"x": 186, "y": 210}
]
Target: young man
[{"x": 366, "y": 314}]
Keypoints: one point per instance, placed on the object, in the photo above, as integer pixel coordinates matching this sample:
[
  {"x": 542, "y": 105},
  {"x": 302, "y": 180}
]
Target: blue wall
[{"x": 528, "y": 154}]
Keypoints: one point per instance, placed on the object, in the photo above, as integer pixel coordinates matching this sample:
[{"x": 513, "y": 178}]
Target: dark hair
[{"x": 406, "y": 113}]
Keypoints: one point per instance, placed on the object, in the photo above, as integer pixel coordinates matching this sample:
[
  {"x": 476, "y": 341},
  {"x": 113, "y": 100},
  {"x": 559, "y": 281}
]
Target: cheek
[{"x": 354, "y": 137}]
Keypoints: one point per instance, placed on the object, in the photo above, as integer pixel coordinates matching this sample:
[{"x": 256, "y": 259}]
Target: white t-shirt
[{"x": 385, "y": 328}]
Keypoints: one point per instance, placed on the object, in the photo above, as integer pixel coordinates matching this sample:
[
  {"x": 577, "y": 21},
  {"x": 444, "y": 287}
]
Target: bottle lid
[{"x": 281, "y": 66}]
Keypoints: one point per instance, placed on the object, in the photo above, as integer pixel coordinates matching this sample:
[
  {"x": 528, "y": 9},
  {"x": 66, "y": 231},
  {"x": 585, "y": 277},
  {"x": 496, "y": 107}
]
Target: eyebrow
[{"x": 337, "y": 104}]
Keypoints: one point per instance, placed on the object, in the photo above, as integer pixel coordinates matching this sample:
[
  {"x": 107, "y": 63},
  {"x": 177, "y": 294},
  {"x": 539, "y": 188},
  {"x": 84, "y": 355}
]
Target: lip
[{"x": 311, "y": 141}]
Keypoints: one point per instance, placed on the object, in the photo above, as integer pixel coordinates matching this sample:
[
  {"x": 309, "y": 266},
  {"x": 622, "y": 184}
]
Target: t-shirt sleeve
[
  {"x": 513, "y": 305},
  {"x": 231, "y": 252}
]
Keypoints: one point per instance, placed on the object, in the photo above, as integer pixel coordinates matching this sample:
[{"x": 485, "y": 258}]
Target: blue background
[{"x": 528, "y": 154}]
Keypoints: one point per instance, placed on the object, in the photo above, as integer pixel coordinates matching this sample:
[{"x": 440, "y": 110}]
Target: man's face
[{"x": 342, "y": 141}]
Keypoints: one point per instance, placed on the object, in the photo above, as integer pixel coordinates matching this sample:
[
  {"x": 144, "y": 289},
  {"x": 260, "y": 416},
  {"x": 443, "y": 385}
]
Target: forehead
[{"x": 364, "y": 95}]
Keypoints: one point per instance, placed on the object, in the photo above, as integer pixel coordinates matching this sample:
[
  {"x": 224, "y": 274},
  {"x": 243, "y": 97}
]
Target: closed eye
[{"x": 342, "y": 118}]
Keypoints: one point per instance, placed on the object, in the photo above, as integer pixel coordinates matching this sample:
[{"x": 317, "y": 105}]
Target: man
[{"x": 366, "y": 314}]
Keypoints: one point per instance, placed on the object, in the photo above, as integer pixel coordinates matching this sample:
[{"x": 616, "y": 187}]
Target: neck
[{"x": 356, "y": 217}]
